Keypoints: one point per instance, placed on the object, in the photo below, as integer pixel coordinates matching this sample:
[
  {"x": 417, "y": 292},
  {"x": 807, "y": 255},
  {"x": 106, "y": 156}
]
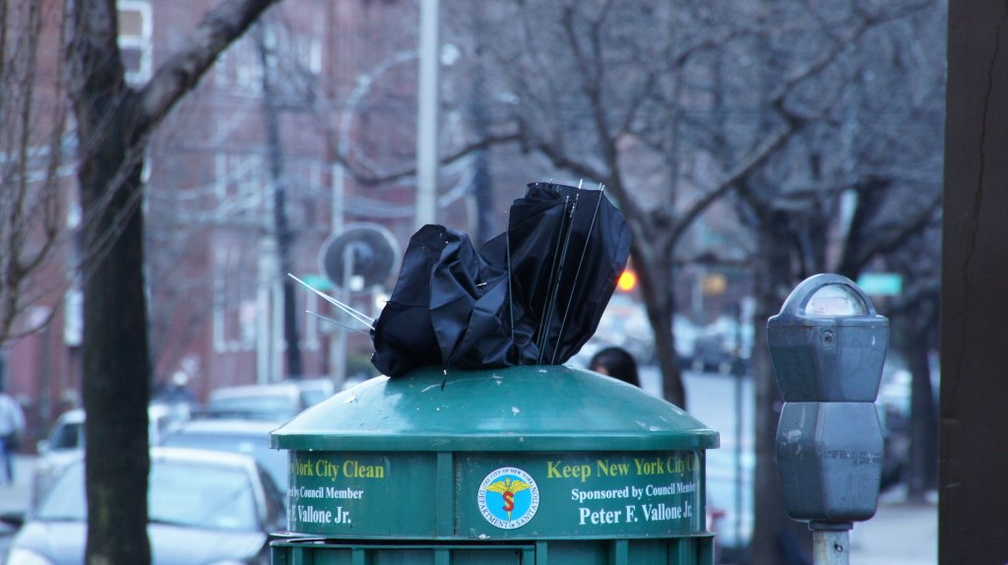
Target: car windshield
[
  {"x": 256, "y": 446},
  {"x": 181, "y": 493},
  {"x": 67, "y": 436},
  {"x": 312, "y": 396},
  {"x": 278, "y": 407}
]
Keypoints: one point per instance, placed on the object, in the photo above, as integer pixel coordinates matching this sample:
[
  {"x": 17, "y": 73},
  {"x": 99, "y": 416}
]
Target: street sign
[
  {"x": 317, "y": 281},
  {"x": 881, "y": 284}
]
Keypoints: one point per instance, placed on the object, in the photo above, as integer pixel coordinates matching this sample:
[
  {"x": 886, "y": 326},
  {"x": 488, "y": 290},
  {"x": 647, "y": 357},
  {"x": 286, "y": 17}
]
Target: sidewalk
[
  {"x": 901, "y": 533},
  {"x": 15, "y": 497}
]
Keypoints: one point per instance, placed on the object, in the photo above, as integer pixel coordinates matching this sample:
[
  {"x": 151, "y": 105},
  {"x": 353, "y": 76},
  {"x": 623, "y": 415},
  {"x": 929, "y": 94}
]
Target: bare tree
[
  {"x": 32, "y": 148},
  {"x": 114, "y": 122},
  {"x": 675, "y": 107},
  {"x": 636, "y": 97},
  {"x": 859, "y": 182}
]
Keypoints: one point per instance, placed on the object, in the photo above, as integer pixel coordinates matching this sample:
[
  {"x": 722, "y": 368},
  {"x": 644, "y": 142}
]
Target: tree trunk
[
  {"x": 113, "y": 122},
  {"x": 922, "y": 469},
  {"x": 777, "y": 539},
  {"x": 668, "y": 361},
  {"x": 116, "y": 359},
  {"x": 654, "y": 274}
]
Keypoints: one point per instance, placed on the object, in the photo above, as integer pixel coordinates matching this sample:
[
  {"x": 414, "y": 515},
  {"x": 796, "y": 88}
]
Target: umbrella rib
[
  {"x": 359, "y": 316},
  {"x": 507, "y": 247},
  {"x": 577, "y": 273},
  {"x": 558, "y": 263},
  {"x": 544, "y": 315},
  {"x": 337, "y": 322}
]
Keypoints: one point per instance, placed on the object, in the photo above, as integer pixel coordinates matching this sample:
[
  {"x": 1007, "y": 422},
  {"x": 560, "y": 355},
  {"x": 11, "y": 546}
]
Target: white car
[
  {"x": 205, "y": 507},
  {"x": 248, "y": 437},
  {"x": 65, "y": 443}
]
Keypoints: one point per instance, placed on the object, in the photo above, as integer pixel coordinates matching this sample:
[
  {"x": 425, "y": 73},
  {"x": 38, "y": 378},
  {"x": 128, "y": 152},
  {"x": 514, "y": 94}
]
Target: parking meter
[{"x": 828, "y": 346}]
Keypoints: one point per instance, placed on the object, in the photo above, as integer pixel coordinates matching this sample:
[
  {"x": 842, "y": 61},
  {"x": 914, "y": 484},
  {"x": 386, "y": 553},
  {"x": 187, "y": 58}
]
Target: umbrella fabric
[
  {"x": 568, "y": 247},
  {"x": 428, "y": 312},
  {"x": 403, "y": 337},
  {"x": 532, "y": 295}
]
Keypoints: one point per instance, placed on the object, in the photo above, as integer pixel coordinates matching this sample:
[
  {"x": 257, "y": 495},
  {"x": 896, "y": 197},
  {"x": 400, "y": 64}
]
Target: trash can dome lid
[{"x": 525, "y": 408}]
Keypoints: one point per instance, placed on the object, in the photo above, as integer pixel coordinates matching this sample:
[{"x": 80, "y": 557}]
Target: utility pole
[
  {"x": 427, "y": 114},
  {"x": 284, "y": 237}
]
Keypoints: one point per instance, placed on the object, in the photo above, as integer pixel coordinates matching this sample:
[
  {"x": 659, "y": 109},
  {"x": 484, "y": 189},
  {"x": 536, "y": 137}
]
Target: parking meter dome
[{"x": 828, "y": 344}]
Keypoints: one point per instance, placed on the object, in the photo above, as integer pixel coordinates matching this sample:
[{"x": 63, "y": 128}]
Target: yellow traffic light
[{"x": 627, "y": 280}]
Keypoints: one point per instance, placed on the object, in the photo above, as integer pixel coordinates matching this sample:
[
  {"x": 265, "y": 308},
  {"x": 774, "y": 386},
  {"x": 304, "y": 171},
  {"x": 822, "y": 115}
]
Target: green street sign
[
  {"x": 881, "y": 284},
  {"x": 317, "y": 281}
]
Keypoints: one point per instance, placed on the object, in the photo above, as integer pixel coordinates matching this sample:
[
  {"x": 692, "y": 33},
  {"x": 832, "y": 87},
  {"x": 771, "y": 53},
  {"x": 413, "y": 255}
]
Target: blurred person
[
  {"x": 177, "y": 395},
  {"x": 12, "y": 425},
  {"x": 617, "y": 363}
]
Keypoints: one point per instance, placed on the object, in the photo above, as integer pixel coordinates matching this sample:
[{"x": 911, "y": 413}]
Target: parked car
[
  {"x": 894, "y": 408},
  {"x": 624, "y": 323},
  {"x": 235, "y": 436},
  {"x": 724, "y": 346},
  {"x": 65, "y": 443},
  {"x": 204, "y": 507},
  {"x": 711, "y": 354},
  {"x": 275, "y": 401},
  {"x": 686, "y": 334},
  {"x": 314, "y": 390}
]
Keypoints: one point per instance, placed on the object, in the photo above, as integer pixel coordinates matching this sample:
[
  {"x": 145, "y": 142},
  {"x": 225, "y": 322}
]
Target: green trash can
[{"x": 533, "y": 464}]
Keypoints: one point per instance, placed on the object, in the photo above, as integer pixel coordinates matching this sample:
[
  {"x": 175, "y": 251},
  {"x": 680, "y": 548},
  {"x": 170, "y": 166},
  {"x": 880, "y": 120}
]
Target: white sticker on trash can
[{"x": 508, "y": 498}]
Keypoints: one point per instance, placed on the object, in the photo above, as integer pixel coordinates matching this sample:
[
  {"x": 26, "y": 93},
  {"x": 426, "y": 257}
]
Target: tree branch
[{"x": 183, "y": 70}]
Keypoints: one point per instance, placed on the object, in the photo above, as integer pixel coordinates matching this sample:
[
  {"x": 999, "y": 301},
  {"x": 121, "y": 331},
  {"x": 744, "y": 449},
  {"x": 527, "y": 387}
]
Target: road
[{"x": 723, "y": 402}]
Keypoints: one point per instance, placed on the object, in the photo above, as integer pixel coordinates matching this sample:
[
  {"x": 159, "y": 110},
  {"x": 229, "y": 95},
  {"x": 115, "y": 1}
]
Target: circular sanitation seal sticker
[{"x": 508, "y": 498}]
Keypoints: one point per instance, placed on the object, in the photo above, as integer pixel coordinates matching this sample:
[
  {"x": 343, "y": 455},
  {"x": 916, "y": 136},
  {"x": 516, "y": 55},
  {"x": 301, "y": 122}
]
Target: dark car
[
  {"x": 248, "y": 437},
  {"x": 211, "y": 508}
]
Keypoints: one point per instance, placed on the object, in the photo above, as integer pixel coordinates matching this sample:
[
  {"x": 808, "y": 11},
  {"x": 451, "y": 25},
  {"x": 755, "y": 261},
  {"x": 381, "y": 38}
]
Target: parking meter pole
[
  {"x": 830, "y": 547},
  {"x": 738, "y": 456},
  {"x": 828, "y": 346}
]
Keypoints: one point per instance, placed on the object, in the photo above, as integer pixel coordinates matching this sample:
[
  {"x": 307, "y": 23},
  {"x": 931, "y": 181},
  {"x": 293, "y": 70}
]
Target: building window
[
  {"x": 135, "y": 39},
  {"x": 295, "y": 57},
  {"x": 239, "y": 70},
  {"x": 234, "y": 312},
  {"x": 240, "y": 191}
]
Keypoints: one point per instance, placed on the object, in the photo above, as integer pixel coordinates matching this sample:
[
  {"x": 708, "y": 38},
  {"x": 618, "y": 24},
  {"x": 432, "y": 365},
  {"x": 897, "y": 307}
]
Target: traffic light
[{"x": 627, "y": 280}]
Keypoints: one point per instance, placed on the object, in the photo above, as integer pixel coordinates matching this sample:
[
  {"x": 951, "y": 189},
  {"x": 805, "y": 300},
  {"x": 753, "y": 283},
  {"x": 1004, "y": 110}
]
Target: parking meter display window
[{"x": 835, "y": 300}]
